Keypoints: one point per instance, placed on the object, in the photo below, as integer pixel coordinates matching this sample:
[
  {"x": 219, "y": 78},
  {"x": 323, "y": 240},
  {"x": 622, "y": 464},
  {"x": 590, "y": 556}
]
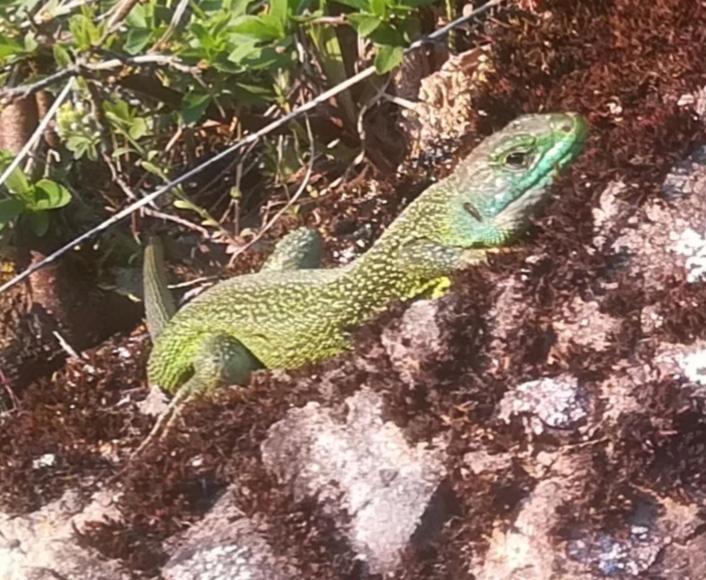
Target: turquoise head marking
[{"x": 506, "y": 177}]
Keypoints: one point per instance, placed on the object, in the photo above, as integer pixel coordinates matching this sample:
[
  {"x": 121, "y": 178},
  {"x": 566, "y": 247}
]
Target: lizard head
[{"x": 508, "y": 175}]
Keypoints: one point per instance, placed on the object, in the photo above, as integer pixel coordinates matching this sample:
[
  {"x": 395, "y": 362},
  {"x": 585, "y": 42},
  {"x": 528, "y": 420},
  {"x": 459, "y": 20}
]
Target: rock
[
  {"x": 414, "y": 340},
  {"x": 549, "y": 403},
  {"x": 527, "y": 550},
  {"x": 361, "y": 465},
  {"x": 225, "y": 545},
  {"x": 668, "y": 236},
  {"x": 44, "y": 544}
]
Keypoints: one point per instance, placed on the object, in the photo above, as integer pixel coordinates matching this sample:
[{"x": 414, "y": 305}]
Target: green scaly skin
[{"x": 284, "y": 317}]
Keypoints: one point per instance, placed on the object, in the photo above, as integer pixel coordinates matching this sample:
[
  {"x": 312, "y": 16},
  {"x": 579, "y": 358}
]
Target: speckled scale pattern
[{"x": 289, "y": 318}]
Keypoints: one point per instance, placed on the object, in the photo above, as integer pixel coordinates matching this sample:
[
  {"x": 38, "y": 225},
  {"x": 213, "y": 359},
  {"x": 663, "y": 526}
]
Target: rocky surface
[{"x": 543, "y": 421}]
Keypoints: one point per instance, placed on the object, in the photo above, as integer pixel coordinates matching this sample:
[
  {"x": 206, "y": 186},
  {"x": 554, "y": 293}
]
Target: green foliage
[
  {"x": 218, "y": 60},
  {"x": 31, "y": 200},
  {"x": 79, "y": 130}
]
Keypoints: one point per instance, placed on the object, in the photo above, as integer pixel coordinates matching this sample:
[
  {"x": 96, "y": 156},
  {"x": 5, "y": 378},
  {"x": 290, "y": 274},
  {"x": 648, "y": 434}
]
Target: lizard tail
[{"x": 159, "y": 304}]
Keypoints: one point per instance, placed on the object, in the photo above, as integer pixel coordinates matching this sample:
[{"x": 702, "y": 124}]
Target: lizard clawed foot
[
  {"x": 165, "y": 421},
  {"x": 161, "y": 428}
]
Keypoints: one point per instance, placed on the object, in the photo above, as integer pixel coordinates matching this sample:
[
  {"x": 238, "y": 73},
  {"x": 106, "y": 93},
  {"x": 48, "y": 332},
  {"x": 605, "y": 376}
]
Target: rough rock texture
[
  {"x": 45, "y": 544},
  {"x": 225, "y": 545},
  {"x": 555, "y": 403},
  {"x": 444, "y": 110},
  {"x": 363, "y": 466},
  {"x": 549, "y": 413}
]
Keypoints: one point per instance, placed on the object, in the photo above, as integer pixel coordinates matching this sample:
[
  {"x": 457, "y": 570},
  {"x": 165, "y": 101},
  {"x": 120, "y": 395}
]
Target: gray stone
[
  {"x": 43, "y": 544},
  {"x": 361, "y": 465},
  {"x": 225, "y": 545}
]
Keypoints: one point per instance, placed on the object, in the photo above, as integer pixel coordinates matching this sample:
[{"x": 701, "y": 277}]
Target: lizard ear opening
[{"x": 473, "y": 210}]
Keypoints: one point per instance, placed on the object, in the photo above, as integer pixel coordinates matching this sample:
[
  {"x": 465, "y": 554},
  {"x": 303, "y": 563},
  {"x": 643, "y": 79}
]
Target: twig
[
  {"x": 43, "y": 19},
  {"x": 290, "y": 202},
  {"x": 400, "y": 101},
  {"x": 140, "y": 60},
  {"x": 12, "y": 93},
  {"x": 179, "y": 12},
  {"x": 116, "y": 15},
  {"x": 177, "y": 220},
  {"x": 63, "y": 343},
  {"x": 37, "y": 132},
  {"x": 253, "y": 137},
  {"x": 21, "y": 91},
  {"x": 360, "y": 127},
  {"x": 330, "y": 20}
]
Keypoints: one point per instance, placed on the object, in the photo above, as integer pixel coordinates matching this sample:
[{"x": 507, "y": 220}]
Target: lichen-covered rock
[
  {"x": 362, "y": 466},
  {"x": 548, "y": 403},
  {"x": 44, "y": 544},
  {"x": 225, "y": 545}
]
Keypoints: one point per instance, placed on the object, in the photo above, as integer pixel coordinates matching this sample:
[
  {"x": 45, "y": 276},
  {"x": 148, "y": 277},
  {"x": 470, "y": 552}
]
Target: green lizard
[{"x": 292, "y": 313}]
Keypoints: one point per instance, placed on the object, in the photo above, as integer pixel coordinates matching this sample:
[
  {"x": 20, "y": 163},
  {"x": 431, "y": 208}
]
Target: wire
[
  {"x": 309, "y": 105},
  {"x": 61, "y": 97}
]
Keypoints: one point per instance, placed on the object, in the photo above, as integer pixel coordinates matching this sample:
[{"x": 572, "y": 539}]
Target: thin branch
[
  {"x": 141, "y": 60},
  {"x": 177, "y": 220},
  {"x": 253, "y": 137},
  {"x": 290, "y": 202},
  {"x": 179, "y": 12},
  {"x": 61, "y": 97},
  {"x": 116, "y": 15},
  {"x": 21, "y": 91}
]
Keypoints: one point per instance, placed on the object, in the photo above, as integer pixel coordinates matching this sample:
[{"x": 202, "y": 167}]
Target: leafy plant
[
  {"x": 151, "y": 83},
  {"x": 31, "y": 200}
]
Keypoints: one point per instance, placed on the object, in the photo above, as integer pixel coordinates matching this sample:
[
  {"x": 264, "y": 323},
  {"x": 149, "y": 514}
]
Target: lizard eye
[{"x": 517, "y": 160}]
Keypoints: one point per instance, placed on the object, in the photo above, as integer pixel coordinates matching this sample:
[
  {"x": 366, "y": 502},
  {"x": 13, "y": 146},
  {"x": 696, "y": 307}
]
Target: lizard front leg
[
  {"x": 219, "y": 360},
  {"x": 435, "y": 262},
  {"x": 299, "y": 250}
]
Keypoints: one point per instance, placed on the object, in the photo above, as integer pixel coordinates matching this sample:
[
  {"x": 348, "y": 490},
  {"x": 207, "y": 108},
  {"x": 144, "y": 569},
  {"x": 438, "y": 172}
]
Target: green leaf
[
  {"x": 386, "y": 35},
  {"x": 266, "y": 58},
  {"x": 39, "y": 222},
  {"x": 10, "y": 209},
  {"x": 264, "y": 27},
  {"x": 245, "y": 47},
  {"x": 48, "y": 194},
  {"x": 85, "y": 32},
  {"x": 378, "y": 7},
  {"x": 279, "y": 10},
  {"x": 81, "y": 145},
  {"x": 153, "y": 169},
  {"x": 117, "y": 112},
  {"x": 30, "y": 42},
  {"x": 137, "y": 17},
  {"x": 193, "y": 107},
  {"x": 249, "y": 94},
  {"x": 361, "y": 5},
  {"x": 365, "y": 24},
  {"x": 387, "y": 58},
  {"x": 138, "y": 128},
  {"x": 237, "y": 7},
  {"x": 9, "y": 47},
  {"x": 61, "y": 56},
  {"x": 136, "y": 40},
  {"x": 17, "y": 182},
  {"x": 414, "y": 3}
]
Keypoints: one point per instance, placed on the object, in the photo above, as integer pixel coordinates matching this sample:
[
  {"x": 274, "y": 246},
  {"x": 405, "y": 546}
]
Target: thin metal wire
[
  {"x": 308, "y": 106},
  {"x": 61, "y": 97}
]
